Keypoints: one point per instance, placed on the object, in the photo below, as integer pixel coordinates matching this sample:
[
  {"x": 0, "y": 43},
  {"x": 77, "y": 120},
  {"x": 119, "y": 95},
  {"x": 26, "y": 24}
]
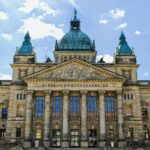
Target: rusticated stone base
[
  {"x": 84, "y": 144},
  {"x": 46, "y": 143},
  {"x": 122, "y": 144},
  {"x": 65, "y": 144},
  {"x": 102, "y": 144},
  {"x": 27, "y": 144}
]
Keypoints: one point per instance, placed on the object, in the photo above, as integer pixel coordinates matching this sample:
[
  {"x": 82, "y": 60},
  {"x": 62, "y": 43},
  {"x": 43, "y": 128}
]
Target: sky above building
[{"x": 101, "y": 20}]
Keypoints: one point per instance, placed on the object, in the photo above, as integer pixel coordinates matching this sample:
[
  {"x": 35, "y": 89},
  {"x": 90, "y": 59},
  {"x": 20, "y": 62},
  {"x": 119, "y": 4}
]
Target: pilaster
[
  {"x": 102, "y": 118},
  {"x": 84, "y": 142},
  {"x": 46, "y": 141},
  {"x": 121, "y": 142},
  {"x": 65, "y": 142},
  {"x": 28, "y": 122}
]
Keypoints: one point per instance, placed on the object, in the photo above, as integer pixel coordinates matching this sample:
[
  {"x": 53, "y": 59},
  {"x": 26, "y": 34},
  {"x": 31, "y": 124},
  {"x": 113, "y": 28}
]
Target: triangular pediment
[{"x": 74, "y": 70}]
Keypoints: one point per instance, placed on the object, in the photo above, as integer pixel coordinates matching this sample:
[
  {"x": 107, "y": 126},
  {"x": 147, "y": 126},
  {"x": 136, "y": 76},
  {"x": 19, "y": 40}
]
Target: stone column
[
  {"x": 47, "y": 119},
  {"x": 84, "y": 142},
  {"x": 102, "y": 118},
  {"x": 121, "y": 143},
  {"x": 65, "y": 142},
  {"x": 28, "y": 121}
]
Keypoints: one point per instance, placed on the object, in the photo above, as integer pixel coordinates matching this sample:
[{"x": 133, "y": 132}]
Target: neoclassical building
[{"x": 75, "y": 101}]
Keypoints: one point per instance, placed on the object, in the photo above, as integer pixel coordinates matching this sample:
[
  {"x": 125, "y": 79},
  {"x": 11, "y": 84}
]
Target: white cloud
[
  {"x": 107, "y": 58},
  {"x": 117, "y": 13},
  {"x": 30, "y": 5},
  {"x": 146, "y": 73},
  {"x": 61, "y": 25},
  {"x": 3, "y": 16},
  {"x": 122, "y": 26},
  {"x": 5, "y": 76},
  {"x": 39, "y": 29},
  {"x": 103, "y": 21},
  {"x": 138, "y": 32},
  {"x": 6, "y": 36}
]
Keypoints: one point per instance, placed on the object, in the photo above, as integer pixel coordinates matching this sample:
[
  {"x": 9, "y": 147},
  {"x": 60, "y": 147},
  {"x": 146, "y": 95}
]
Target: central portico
[{"x": 74, "y": 95}]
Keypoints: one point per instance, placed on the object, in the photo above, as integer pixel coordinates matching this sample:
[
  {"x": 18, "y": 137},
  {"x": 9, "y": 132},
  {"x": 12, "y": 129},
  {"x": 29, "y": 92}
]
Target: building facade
[{"x": 75, "y": 101}]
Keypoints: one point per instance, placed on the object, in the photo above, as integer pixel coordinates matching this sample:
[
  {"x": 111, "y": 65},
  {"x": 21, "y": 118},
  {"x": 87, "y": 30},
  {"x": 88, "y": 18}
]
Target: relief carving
[{"x": 73, "y": 72}]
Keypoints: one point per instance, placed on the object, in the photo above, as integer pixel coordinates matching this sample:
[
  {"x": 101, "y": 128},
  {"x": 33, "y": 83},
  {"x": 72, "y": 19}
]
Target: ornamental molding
[{"x": 73, "y": 70}]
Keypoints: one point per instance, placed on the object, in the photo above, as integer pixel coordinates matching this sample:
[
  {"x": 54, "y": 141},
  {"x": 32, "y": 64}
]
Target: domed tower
[
  {"x": 125, "y": 59},
  {"x": 75, "y": 44},
  {"x": 24, "y": 59}
]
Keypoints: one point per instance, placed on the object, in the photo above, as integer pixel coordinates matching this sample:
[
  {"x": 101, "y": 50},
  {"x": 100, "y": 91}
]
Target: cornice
[{"x": 96, "y": 68}]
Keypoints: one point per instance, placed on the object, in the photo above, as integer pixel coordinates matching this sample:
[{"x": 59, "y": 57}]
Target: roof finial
[
  {"x": 75, "y": 23},
  {"x": 75, "y": 13}
]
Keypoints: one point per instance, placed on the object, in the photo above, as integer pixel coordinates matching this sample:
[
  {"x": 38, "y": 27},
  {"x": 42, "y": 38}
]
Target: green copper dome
[
  {"x": 124, "y": 48},
  {"x": 26, "y": 48},
  {"x": 75, "y": 39}
]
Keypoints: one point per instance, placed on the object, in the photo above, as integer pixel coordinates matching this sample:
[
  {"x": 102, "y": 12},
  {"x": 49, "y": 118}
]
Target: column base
[
  {"x": 84, "y": 144},
  {"x": 46, "y": 143},
  {"x": 102, "y": 144},
  {"x": 122, "y": 143},
  {"x": 27, "y": 144},
  {"x": 65, "y": 144},
  {"x": 13, "y": 140}
]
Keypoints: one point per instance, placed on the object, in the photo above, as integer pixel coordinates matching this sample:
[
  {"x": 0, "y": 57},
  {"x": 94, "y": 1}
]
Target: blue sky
[{"x": 48, "y": 20}]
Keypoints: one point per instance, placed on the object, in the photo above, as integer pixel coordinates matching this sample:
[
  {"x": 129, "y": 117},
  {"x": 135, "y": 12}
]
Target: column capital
[
  {"x": 29, "y": 91},
  {"x": 119, "y": 92},
  {"x": 48, "y": 92},
  {"x": 83, "y": 92},
  {"x": 101, "y": 92},
  {"x": 65, "y": 92}
]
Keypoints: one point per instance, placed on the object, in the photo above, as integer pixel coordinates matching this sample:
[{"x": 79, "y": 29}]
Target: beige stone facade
[{"x": 127, "y": 122}]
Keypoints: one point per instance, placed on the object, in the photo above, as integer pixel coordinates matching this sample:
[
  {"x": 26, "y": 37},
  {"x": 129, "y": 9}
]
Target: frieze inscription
[{"x": 73, "y": 85}]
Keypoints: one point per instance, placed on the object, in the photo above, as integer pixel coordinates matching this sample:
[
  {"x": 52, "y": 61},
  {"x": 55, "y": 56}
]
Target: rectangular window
[
  {"x": 56, "y": 138},
  {"x": 144, "y": 113},
  {"x": 38, "y": 134},
  {"x": 39, "y": 106},
  {"x": 146, "y": 131},
  {"x": 57, "y": 104},
  {"x": 18, "y": 132},
  {"x": 109, "y": 106},
  {"x": 74, "y": 138},
  {"x": 130, "y": 132},
  {"x": 74, "y": 104},
  {"x": 4, "y": 113},
  {"x": 92, "y": 138},
  {"x": 21, "y": 97},
  {"x": 91, "y": 103},
  {"x": 24, "y": 96},
  {"x": 17, "y": 96}
]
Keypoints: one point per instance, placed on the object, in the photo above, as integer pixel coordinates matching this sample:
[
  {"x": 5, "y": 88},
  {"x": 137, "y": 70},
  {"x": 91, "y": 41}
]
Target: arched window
[
  {"x": 130, "y": 132},
  {"x": 56, "y": 138},
  {"x": 146, "y": 131},
  {"x": 74, "y": 138},
  {"x": 38, "y": 132},
  {"x": 92, "y": 137}
]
